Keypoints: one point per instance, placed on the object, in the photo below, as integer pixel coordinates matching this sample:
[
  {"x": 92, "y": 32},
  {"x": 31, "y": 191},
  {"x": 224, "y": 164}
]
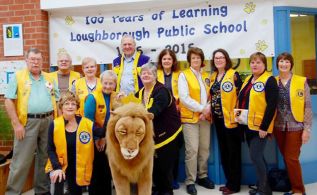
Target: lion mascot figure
[{"x": 130, "y": 148}]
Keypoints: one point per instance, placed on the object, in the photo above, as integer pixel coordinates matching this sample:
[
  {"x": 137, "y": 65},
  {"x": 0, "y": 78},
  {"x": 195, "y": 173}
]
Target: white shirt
[
  {"x": 183, "y": 92},
  {"x": 127, "y": 79}
]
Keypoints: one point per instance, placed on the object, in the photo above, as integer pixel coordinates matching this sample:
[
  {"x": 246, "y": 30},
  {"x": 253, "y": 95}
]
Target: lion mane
[{"x": 137, "y": 169}]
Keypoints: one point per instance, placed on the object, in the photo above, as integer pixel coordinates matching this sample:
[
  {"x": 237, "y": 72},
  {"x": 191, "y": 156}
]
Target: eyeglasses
[
  {"x": 219, "y": 58},
  {"x": 35, "y": 59},
  {"x": 64, "y": 61}
]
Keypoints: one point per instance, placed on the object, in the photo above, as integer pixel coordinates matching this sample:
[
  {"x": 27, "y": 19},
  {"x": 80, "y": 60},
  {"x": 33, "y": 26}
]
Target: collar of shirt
[
  {"x": 130, "y": 59},
  {"x": 33, "y": 79},
  {"x": 197, "y": 73}
]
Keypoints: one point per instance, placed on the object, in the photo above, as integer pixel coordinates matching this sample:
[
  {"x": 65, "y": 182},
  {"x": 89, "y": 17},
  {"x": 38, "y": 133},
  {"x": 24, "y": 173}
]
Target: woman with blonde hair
[{"x": 87, "y": 84}]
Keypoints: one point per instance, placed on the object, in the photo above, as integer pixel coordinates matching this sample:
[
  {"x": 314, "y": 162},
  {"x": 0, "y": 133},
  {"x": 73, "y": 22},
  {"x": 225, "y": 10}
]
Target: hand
[
  {"x": 305, "y": 136},
  {"x": 57, "y": 174},
  {"x": 100, "y": 144},
  {"x": 19, "y": 131},
  {"x": 120, "y": 95},
  {"x": 262, "y": 134},
  {"x": 202, "y": 117},
  {"x": 207, "y": 110}
]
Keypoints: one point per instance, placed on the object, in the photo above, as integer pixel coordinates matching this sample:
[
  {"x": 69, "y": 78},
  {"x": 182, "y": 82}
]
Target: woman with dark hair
[
  {"x": 293, "y": 120},
  {"x": 225, "y": 85},
  {"x": 258, "y": 96},
  {"x": 167, "y": 73},
  {"x": 193, "y": 88}
]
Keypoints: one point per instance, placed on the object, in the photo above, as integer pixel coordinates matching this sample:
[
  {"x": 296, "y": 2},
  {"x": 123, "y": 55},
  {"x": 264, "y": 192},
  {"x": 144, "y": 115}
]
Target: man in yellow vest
[
  {"x": 64, "y": 76},
  {"x": 128, "y": 66},
  {"x": 30, "y": 103}
]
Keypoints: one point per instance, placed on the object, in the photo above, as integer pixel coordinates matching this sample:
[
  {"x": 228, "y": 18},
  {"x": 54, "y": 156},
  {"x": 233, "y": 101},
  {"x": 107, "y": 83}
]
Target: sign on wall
[
  {"x": 240, "y": 27},
  {"x": 12, "y": 40},
  {"x": 7, "y": 69}
]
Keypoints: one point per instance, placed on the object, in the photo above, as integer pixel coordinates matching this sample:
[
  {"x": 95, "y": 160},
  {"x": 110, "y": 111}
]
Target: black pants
[
  {"x": 163, "y": 168},
  {"x": 100, "y": 183},
  {"x": 73, "y": 188},
  {"x": 229, "y": 141},
  {"x": 180, "y": 143}
]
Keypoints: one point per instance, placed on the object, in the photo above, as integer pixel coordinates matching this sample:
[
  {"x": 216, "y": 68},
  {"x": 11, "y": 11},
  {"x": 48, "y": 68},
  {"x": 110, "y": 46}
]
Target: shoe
[
  {"x": 253, "y": 191},
  {"x": 290, "y": 193},
  {"x": 227, "y": 191},
  {"x": 205, "y": 182},
  {"x": 222, "y": 188},
  {"x": 175, "y": 185},
  {"x": 191, "y": 189}
]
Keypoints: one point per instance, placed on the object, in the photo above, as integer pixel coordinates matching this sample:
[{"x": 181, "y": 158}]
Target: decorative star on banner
[
  {"x": 261, "y": 45},
  {"x": 69, "y": 20},
  {"x": 249, "y": 7}
]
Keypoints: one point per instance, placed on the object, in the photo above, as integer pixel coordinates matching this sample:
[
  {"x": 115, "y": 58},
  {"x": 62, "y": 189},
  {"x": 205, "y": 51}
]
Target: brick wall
[{"x": 35, "y": 34}]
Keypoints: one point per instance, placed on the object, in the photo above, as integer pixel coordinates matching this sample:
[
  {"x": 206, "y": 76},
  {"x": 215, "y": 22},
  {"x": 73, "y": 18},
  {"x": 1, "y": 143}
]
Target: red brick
[
  {"x": 6, "y": 14},
  {"x": 6, "y": 2},
  {"x": 3, "y": 20},
  {"x": 16, "y": 7},
  {"x": 42, "y": 42},
  {"x": 16, "y": 19},
  {"x": 29, "y": 6},
  {"x": 21, "y": 1},
  {"x": 29, "y": 18},
  {"x": 29, "y": 42},
  {"x": 28, "y": 30},
  {"x": 22, "y": 13},
  {"x": 4, "y": 8}
]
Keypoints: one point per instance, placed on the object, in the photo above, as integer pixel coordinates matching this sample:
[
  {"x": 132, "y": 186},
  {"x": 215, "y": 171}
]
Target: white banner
[
  {"x": 7, "y": 69},
  {"x": 240, "y": 27}
]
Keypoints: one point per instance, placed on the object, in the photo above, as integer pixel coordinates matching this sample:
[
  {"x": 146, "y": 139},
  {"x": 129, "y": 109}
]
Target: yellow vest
[
  {"x": 297, "y": 97},
  {"x": 101, "y": 108},
  {"x": 84, "y": 149},
  {"x": 160, "y": 78},
  {"x": 82, "y": 92},
  {"x": 24, "y": 90},
  {"x": 228, "y": 92},
  {"x": 257, "y": 102},
  {"x": 136, "y": 71},
  {"x": 72, "y": 77},
  {"x": 188, "y": 116}
]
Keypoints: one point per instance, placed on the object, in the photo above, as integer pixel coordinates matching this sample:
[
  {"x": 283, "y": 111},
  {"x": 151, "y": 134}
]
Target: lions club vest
[
  {"x": 160, "y": 78},
  {"x": 257, "y": 102},
  {"x": 84, "y": 149},
  {"x": 188, "y": 116},
  {"x": 82, "y": 92},
  {"x": 228, "y": 92},
  {"x": 72, "y": 77},
  {"x": 23, "y": 92},
  {"x": 297, "y": 97}
]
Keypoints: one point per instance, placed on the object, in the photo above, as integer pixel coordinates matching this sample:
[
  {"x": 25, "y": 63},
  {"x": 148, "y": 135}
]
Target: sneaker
[
  {"x": 205, "y": 182},
  {"x": 191, "y": 189}
]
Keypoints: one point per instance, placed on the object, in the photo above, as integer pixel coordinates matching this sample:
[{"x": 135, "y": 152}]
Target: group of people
[{"x": 185, "y": 103}]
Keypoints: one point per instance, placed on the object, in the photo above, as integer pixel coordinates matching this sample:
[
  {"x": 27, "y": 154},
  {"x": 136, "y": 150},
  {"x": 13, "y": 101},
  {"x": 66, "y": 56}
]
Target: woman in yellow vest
[
  {"x": 70, "y": 148},
  {"x": 167, "y": 73},
  {"x": 193, "y": 90},
  {"x": 225, "y": 85},
  {"x": 85, "y": 85},
  {"x": 258, "y": 96},
  {"x": 293, "y": 120}
]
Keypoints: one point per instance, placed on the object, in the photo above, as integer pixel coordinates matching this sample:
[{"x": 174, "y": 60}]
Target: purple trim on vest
[{"x": 142, "y": 60}]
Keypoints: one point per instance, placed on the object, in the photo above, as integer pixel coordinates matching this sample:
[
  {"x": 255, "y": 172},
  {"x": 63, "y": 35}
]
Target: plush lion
[{"x": 130, "y": 148}]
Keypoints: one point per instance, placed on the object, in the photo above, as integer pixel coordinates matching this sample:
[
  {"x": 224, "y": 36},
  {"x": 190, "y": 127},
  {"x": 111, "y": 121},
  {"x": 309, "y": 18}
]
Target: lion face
[{"x": 129, "y": 132}]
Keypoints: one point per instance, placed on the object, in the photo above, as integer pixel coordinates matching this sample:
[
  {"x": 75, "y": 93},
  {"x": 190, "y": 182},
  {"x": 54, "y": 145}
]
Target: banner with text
[{"x": 240, "y": 27}]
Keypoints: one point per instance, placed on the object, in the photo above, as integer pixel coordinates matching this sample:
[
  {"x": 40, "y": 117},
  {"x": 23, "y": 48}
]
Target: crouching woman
[{"x": 70, "y": 148}]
